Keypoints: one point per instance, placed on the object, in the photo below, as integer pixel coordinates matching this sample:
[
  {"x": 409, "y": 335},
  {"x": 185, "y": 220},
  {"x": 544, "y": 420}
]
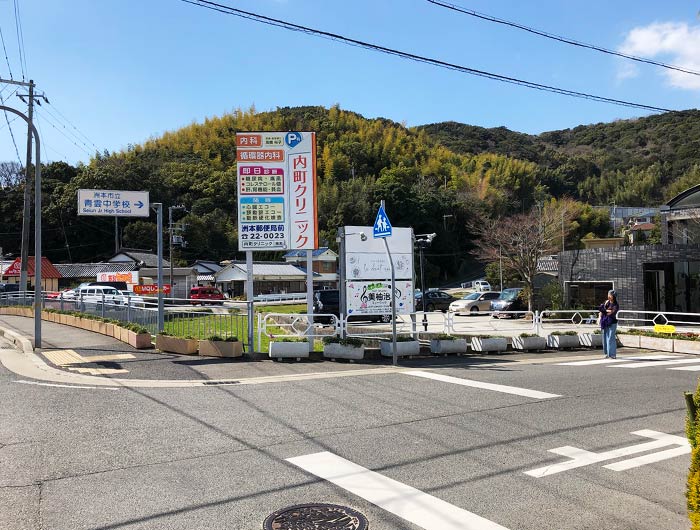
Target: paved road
[{"x": 438, "y": 444}]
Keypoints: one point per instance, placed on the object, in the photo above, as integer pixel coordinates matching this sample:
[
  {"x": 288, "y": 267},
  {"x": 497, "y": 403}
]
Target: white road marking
[
  {"x": 421, "y": 509},
  {"x": 618, "y": 360},
  {"x": 581, "y": 457},
  {"x": 479, "y": 384},
  {"x": 695, "y": 368},
  {"x": 68, "y": 386},
  {"x": 658, "y": 363}
]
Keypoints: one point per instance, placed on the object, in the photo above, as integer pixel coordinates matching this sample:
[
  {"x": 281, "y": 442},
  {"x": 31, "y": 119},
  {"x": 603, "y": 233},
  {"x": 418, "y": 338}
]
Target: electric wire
[
  {"x": 63, "y": 117},
  {"x": 418, "y": 58},
  {"x": 12, "y": 134},
  {"x": 560, "y": 38},
  {"x": 7, "y": 59},
  {"x": 65, "y": 133},
  {"x": 20, "y": 40}
]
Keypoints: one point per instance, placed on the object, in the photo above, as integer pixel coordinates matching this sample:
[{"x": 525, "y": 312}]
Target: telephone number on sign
[
  {"x": 262, "y": 244},
  {"x": 263, "y": 235}
]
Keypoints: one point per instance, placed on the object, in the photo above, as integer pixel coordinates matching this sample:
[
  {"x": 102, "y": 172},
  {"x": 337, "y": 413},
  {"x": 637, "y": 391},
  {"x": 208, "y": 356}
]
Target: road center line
[
  {"x": 421, "y": 509},
  {"x": 479, "y": 384}
]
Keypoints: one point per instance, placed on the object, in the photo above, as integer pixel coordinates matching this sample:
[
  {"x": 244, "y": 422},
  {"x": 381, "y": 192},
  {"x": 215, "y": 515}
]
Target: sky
[{"x": 118, "y": 72}]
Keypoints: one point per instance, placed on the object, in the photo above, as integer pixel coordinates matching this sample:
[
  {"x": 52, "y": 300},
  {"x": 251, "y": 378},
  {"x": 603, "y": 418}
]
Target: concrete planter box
[
  {"x": 443, "y": 346},
  {"x": 63, "y": 320},
  {"x": 123, "y": 334},
  {"x": 403, "y": 349},
  {"x": 497, "y": 344},
  {"x": 220, "y": 348},
  {"x": 140, "y": 341},
  {"x": 591, "y": 340},
  {"x": 654, "y": 343},
  {"x": 529, "y": 343},
  {"x": 109, "y": 329},
  {"x": 281, "y": 350},
  {"x": 629, "y": 341},
  {"x": 562, "y": 342},
  {"x": 686, "y": 346},
  {"x": 176, "y": 345},
  {"x": 343, "y": 351}
]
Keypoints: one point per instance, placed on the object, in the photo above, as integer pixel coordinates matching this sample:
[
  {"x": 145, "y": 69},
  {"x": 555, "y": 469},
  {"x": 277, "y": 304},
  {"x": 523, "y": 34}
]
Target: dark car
[
  {"x": 328, "y": 302},
  {"x": 434, "y": 300},
  {"x": 510, "y": 300},
  {"x": 9, "y": 287}
]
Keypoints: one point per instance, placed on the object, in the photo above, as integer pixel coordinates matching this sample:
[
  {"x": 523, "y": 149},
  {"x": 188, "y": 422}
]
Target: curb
[{"x": 22, "y": 344}]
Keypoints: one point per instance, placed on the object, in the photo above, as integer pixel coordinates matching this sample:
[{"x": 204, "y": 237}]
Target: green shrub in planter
[
  {"x": 445, "y": 336},
  {"x": 404, "y": 338},
  {"x": 347, "y": 341},
  {"x": 526, "y": 335},
  {"x": 217, "y": 338},
  {"x": 565, "y": 333}
]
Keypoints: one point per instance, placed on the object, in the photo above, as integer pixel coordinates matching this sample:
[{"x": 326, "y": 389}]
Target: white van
[
  {"x": 482, "y": 285},
  {"x": 96, "y": 294}
]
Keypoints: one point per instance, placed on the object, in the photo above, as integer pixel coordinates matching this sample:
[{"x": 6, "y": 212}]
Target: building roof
[
  {"x": 262, "y": 270},
  {"x": 643, "y": 226},
  {"x": 143, "y": 258},
  {"x": 85, "y": 270},
  {"x": 689, "y": 198},
  {"x": 206, "y": 267},
  {"x": 302, "y": 253},
  {"x": 47, "y": 268}
]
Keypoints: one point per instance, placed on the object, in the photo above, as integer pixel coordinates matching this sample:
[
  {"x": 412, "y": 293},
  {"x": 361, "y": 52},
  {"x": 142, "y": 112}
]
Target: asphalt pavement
[{"x": 561, "y": 441}]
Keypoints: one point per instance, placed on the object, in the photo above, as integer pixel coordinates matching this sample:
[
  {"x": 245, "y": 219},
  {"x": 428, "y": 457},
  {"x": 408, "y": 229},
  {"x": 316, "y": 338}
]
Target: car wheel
[
  {"x": 386, "y": 318},
  {"x": 474, "y": 310},
  {"x": 430, "y": 307}
]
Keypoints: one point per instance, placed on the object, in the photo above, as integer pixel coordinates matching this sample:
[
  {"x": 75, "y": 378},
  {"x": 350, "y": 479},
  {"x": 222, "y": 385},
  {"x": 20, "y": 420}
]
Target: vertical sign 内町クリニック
[{"x": 277, "y": 191}]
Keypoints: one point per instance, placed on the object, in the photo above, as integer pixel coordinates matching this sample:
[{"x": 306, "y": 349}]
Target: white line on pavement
[
  {"x": 421, "y": 509},
  {"x": 617, "y": 360},
  {"x": 487, "y": 386},
  {"x": 658, "y": 363},
  {"x": 67, "y": 386}
]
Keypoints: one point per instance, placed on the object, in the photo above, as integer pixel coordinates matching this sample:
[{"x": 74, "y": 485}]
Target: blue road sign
[{"x": 382, "y": 226}]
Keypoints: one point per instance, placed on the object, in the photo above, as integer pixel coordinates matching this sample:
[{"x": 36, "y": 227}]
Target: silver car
[{"x": 474, "y": 303}]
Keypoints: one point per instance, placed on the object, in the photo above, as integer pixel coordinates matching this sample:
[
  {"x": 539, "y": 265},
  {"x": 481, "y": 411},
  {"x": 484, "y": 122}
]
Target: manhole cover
[{"x": 316, "y": 517}]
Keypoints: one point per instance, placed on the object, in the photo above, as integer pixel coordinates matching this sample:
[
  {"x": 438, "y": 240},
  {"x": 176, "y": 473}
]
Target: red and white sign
[
  {"x": 277, "y": 191},
  {"x": 130, "y": 278},
  {"x": 151, "y": 289}
]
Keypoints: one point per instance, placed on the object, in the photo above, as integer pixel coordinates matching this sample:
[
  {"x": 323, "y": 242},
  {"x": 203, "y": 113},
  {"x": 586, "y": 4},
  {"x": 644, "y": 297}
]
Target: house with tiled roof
[
  {"x": 268, "y": 278},
  {"x": 49, "y": 274},
  {"x": 324, "y": 265}
]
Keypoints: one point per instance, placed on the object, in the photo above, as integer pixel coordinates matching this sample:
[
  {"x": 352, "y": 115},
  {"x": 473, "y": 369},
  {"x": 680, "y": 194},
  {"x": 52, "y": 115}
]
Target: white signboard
[
  {"x": 277, "y": 191},
  {"x": 376, "y": 266},
  {"x": 113, "y": 202},
  {"x": 366, "y": 298}
]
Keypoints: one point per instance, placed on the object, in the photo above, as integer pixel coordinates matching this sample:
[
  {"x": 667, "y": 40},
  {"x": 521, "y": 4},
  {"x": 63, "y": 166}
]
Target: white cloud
[{"x": 671, "y": 43}]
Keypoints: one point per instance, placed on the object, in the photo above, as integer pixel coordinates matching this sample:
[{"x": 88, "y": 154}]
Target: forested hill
[
  {"x": 436, "y": 178},
  {"x": 635, "y": 162}
]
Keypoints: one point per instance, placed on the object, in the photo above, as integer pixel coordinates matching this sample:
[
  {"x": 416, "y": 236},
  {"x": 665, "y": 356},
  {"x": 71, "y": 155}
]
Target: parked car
[
  {"x": 66, "y": 294},
  {"x": 434, "y": 300},
  {"x": 9, "y": 287},
  {"x": 132, "y": 299},
  {"x": 482, "y": 286},
  {"x": 98, "y": 294},
  {"x": 328, "y": 302},
  {"x": 206, "y": 295},
  {"x": 509, "y": 300},
  {"x": 474, "y": 303}
]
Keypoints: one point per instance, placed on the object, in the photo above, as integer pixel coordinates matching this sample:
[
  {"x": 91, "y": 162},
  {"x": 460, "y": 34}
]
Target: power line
[
  {"x": 69, "y": 123},
  {"x": 4, "y": 49},
  {"x": 560, "y": 38},
  {"x": 418, "y": 58},
  {"x": 20, "y": 40},
  {"x": 85, "y": 149},
  {"x": 12, "y": 134}
]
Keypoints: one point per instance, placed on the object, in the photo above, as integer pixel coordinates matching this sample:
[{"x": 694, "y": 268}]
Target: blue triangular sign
[{"x": 382, "y": 226}]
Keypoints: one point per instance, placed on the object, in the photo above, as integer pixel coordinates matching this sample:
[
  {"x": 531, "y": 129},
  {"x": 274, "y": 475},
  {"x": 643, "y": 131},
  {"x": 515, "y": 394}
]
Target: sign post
[{"x": 383, "y": 229}]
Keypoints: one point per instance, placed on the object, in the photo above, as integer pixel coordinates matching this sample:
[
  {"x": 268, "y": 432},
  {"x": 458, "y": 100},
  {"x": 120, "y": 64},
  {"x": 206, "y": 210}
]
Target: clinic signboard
[
  {"x": 114, "y": 203},
  {"x": 277, "y": 191}
]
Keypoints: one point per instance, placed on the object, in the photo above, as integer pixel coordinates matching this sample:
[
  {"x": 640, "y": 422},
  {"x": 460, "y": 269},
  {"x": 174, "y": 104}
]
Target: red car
[{"x": 206, "y": 295}]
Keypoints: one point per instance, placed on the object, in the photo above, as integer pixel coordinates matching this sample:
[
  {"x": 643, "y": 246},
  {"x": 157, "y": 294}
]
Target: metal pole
[
  {"x": 500, "y": 264},
  {"x": 421, "y": 244},
  {"x": 24, "y": 254},
  {"x": 310, "y": 297},
  {"x": 250, "y": 290},
  {"x": 116, "y": 234},
  {"x": 37, "y": 227},
  {"x": 161, "y": 308},
  {"x": 170, "y": 242},
  {"x": 394, "y": 355},
  {"x": 341, "y": 282}
]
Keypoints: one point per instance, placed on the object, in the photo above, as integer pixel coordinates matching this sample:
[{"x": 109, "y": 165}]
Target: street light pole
[{"x": 426, "y": 240}]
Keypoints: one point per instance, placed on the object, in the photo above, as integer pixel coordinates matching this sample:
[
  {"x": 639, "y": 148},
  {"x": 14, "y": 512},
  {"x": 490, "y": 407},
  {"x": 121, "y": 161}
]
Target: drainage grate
[
  {"x": 316, "y": 516},
  {"x": 210, "y": 383}
]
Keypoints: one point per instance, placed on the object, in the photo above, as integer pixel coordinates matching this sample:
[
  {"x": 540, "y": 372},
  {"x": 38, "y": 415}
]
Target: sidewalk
[{"x": 89, "y": 356}]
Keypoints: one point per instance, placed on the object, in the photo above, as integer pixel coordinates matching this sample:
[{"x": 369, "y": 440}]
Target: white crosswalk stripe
[{"x": 648, "y": 361}]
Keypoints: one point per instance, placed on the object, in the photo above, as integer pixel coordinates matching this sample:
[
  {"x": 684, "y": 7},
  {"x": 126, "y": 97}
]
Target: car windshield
[
  {"x": 473, "y": 296},
  {"x": 509, "y": 294}
]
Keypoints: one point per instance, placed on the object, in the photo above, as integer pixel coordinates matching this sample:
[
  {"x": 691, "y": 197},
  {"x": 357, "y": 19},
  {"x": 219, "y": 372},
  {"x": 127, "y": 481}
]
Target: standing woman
[{"x": 608, "y": 323}]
